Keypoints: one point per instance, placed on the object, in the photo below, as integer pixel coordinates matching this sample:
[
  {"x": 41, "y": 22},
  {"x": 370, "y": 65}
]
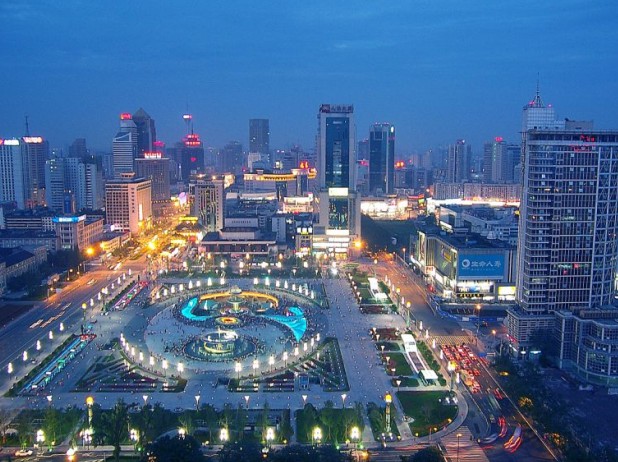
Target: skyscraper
[
  {"x": 458, "y": 162},
  {"x": 155, "y": 167},
  {"x": 124, "y": 146},
  {"x": 146, "y": 132},
  {"x": 259, "y": 136},
  {"x": 381, "y": 158},
  {"x": 12, "y": 188},
  {"x": 128, "y": 204},
  {"x": 79, "y": 178},
  {"x": 339, "y": 223},
  {"x": 209, "y": 202},
  {"x": 191, "y": 156},
  {"x": 567, "y": 247},
  {"x": 336, "y": 154},
  {"x": 231, "y": 158},
  {"x": 78, "y": 148}
]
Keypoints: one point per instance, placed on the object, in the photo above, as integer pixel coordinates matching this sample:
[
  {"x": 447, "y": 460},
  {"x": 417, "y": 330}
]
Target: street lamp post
[
  {"x": 197, "y": 402},
  {"x": 40, "y": 439},
  {"x": 451, "y": 368},
  {"x": 343, "y": 397},
  {"x": 388, "y": 399},
  {"x": 89, "y": 403},
  {"x": 238, "y": 368},
  {"x": 478, "y": 321},
  {"x": 355, "y": 438},
  {"x": 459, "y": 435}
]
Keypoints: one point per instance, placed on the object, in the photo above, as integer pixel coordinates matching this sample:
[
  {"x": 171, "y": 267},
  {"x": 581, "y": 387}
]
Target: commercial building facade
[{"x": 128, "y": 204}]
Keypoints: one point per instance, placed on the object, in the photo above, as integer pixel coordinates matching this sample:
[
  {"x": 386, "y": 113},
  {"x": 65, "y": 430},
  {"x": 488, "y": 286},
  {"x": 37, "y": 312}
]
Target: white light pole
[
  {"x": 238, "y": 368},
  {"x": 197, "y": 402}
]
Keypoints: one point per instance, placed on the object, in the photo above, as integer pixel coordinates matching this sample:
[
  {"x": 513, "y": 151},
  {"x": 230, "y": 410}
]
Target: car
[{"x": 24, "y": 453}]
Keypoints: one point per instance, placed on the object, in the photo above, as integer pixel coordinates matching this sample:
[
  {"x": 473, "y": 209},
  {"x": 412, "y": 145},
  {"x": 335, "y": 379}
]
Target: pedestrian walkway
[
  {"x": 451, "y": 339},
  {"x": 461, "y": 446}
]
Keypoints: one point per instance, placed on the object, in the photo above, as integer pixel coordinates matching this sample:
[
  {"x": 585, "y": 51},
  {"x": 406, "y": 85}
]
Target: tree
[
  {"x": 309, "y": 420},
  {"x": 186, "y": 421},
  {"x": 227, "y": 416},
  {"x": 327, "y": 417},
  {"x": 115, "y": 426},
  {"x": 264, "y": 419},
  {"x": 241, "y": 421},
  {"x": 359, "y": 421},
  {"x": 211, "y": 417},
  {"x": 430, "y": 454},
  {"x": 50, "y": 426},
  {"x": 5, "y": 420},
  {"x": 285, "y": 428},
  {"x": 241, "y": 451},
  {"x": 24, "y": 429},
  {"x": 176, "y": 449},
  {"x": 144, "y": 422}
]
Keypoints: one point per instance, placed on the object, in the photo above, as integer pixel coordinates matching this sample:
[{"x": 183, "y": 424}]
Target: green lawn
[
  {"x": 426, "y": 410},
  {"x": 389, "y": 346},
  {"x": 398, "y": 361},
  {"x": 405, "y": 382}
]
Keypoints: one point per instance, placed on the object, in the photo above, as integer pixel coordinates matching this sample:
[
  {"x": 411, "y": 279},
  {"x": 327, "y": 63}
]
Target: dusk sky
[{"x": 438, "y": 70}]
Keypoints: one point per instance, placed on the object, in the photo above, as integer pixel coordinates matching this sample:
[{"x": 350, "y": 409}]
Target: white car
[{"x": 24, "y": 453}]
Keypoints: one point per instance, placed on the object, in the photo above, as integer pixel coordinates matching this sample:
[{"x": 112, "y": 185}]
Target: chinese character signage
[{"x": 489, "y": 265}]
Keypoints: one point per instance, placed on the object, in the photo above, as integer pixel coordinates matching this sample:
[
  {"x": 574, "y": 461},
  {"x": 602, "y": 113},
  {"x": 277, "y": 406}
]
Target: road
[
  {"x": 36, "y": 324},
  {"x": 411, "y": 288}
]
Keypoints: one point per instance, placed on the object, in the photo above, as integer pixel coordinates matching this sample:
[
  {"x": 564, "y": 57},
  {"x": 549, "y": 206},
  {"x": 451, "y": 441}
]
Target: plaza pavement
[{"x": 366, "y": 376}]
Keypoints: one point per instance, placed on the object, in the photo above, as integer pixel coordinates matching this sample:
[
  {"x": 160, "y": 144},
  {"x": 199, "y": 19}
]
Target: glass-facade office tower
[
  {"x": 458, "y": 162},
  {"x": 336, "y": 154},
  {"x": 124, "y": 146},
  {"x": 259, "y": 136},
  {"x": 381, "y": 158},
  {"x": 339, "y": 205},
  {"x": 146, "y": 132}
]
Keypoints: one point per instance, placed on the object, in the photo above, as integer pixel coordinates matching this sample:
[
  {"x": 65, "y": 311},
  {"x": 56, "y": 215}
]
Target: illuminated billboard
[{"x": 483, "y": 266}]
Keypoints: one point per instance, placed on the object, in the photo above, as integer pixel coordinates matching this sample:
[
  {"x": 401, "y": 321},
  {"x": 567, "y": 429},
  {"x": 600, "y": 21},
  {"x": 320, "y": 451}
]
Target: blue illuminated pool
[
  {"x": 297, "y": 323},
  {"x": 187, "y": 311}
]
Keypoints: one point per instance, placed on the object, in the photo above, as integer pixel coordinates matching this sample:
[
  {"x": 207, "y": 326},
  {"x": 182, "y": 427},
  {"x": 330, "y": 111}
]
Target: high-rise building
[
  {"x": 35, "y": 152},
  {"x": 458, "y": 162},
  {"x": 80, "y": 179},
  {"x": 339, "y": 206},
  {"x": 155, "y": 167},
  {"x": 336, "y": 154},
  {"x": 124, "y": 146},
  {"x": 128, "y": 203},
  {"x": 567, "y": 247},
  {"x": 12, "y": 188},
  {"x": 209, "y": 203},
  {"x": 499, "y": 161},
  {"x": 146, "y": 132},
  {"x": 78, "y": 148},
  {"x": 191, "y": 156},
  {"x": 537, "y": 116},
  {"x": 93, "y": 195},
  {"x": 231, "y": 158},
  {"x": 259, "y": 136},
  {"x": 55, "y": 183},
  {"x": 381, "y": 158}
]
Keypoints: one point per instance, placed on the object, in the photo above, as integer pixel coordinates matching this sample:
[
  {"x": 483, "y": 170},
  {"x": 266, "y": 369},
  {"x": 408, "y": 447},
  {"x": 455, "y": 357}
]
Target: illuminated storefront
[{"x": 473, "y": 268}]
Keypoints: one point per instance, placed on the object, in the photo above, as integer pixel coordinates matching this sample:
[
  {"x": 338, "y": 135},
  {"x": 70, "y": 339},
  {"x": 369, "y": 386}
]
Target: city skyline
[{"x": 438, "y": 72}]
